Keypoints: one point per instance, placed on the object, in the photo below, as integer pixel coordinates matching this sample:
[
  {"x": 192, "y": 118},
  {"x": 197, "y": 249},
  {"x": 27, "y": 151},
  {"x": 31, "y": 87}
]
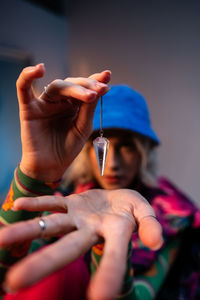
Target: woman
[{"x": 131, "y": 163}]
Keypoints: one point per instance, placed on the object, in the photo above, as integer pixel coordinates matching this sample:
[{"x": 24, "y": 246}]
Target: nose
[{"x": 112, "y": 160}]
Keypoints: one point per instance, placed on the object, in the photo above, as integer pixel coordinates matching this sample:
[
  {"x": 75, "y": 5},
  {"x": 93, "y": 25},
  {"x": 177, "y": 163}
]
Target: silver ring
[
  {"x": 42, "y": 224},
  {"x": 147, "y": 216},
  {"x": 46, "y": 93},
  {"x": 45, "y": 89}
]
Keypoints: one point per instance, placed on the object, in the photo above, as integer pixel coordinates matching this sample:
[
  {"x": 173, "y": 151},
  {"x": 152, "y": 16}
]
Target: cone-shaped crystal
[{"x": 101, "y": 146}]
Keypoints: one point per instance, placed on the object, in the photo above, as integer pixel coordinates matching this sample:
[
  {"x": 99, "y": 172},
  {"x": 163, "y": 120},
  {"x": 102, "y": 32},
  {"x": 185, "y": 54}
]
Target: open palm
[{"x": 84, "y": 220}]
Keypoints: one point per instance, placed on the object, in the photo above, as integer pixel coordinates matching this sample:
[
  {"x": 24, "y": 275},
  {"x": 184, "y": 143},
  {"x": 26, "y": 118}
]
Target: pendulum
[{"x": 101, "y": 145}]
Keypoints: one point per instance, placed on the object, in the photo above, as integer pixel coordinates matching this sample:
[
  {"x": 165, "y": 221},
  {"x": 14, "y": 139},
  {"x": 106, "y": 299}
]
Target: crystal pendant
[{"x": 101, "y": 145}]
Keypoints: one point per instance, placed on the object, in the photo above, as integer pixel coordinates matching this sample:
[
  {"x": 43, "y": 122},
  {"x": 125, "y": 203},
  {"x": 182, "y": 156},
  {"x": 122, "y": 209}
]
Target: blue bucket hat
[{"x": 124, "y": 108}]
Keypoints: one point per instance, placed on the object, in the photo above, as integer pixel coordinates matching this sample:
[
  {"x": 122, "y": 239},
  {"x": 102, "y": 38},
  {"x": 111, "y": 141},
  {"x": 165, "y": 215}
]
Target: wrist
[
  {"x": 44, "y": 187},
  {"x": 40, "y": 173}
]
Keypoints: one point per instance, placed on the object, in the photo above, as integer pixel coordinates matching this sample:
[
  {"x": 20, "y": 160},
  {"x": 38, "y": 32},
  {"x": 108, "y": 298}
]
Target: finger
[
  {"x": 49, "y": 259},
  {"x": 104, "y": 76},
  {"x": 25, "y": 80},
  {"x": 43, "y": 203},
  {"x": 149, "y": 229},
  {"x": 108, "y": 279},
  {"x": 86, "y": 112},
  {"x": 84, "y": 122},
  {"x": 150, "y": 232},
  {"x": 61, "y": 89},
  {"x": 56, "y": 224},
  {"x": 89, "y": 83}
]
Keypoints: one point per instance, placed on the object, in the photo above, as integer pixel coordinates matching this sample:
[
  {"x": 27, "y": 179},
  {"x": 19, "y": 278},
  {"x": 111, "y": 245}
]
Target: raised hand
[
  {"x": 86, "y": 219},
  {"x": 55, "y": 126}
]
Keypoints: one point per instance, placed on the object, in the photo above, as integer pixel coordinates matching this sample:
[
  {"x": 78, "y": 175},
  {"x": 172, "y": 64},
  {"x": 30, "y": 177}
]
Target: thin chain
[{"x": 101, "y": 128}]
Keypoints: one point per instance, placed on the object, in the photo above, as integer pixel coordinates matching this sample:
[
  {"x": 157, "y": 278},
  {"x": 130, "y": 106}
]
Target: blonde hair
[{"x": 80, "y": 171}]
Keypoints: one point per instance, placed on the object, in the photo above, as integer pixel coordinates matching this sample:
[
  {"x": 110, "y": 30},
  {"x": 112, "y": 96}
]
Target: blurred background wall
[
  {"x": 29, "y": 34},
  {"x": 153, "y": 46}
]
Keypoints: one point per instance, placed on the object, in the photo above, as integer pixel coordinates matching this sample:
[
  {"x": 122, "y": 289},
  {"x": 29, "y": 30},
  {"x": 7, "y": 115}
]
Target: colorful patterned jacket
[{"x": 150, "y": 274}]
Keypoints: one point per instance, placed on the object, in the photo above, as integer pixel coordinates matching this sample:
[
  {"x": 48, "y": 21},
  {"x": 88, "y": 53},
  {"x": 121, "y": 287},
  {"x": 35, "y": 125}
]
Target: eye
[{"x": 127, "y": 147}]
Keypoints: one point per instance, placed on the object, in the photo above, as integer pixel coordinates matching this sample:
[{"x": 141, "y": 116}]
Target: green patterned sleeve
[
  {"x": 147, "y": 285},
  {"x": 21, "y": 186},
  {"x": 127, "y": 288}
]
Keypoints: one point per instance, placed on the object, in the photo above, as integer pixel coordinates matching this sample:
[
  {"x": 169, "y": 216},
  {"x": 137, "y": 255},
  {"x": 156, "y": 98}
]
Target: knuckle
[
  {"x": 21, "y": 79},
  {"x": 20, "y": 82},
  {"x": 17, "y": 82},
  {"x": 56, "y": 83}
]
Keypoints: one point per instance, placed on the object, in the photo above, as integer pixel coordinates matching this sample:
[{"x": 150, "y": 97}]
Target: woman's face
[{"x": 122, "y": 163}]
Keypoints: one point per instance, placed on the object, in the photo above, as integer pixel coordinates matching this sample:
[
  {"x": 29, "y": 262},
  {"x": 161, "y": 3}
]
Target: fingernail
[
  {"x": 100, "y": 84},
  {"x": 39, "y": 65},
  {"x": 108, "y": 72},
  {"x": 33, "y": 68},
  {"x": 13, "y": 208},
  {"x": 92, "y": 95},
  {"x": 158, "y": 246}
]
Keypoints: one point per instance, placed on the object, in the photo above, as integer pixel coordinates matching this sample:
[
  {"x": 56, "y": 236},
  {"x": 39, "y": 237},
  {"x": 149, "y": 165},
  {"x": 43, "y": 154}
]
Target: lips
[{"x": 112, "y": 178}]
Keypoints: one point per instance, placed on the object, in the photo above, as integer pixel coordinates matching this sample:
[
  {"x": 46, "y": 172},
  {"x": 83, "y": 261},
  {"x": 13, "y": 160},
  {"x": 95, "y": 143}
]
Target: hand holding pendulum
[{"x": 101, "y": 145}]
